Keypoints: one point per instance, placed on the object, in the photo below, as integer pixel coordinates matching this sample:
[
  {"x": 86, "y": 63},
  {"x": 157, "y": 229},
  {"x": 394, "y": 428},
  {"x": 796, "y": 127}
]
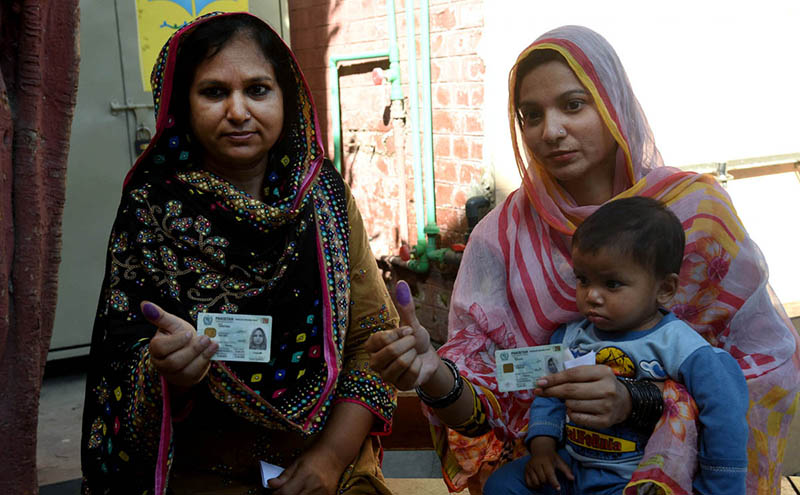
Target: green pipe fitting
[
  {"x": 394, "y": 53},
  {"x": 431, "y": 229},
  {"x": 438, "y": 254},
  {"x": 420, "y": 263},
  {"x": 419, "y": 266}
]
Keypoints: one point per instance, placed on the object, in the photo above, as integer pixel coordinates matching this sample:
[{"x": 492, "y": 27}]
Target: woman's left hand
[
  {"x": 593, "y": 395},
  {"x": 316, "y": 472}
]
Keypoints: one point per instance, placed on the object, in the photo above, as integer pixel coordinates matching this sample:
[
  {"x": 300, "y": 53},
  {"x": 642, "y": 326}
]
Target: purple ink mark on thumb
[
  {"x": 403, "y": 293},
  {"x": 150, "y": 311}
]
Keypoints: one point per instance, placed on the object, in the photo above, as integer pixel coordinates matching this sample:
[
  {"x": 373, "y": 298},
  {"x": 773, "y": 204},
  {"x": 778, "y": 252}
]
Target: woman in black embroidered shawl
[{"x": 232, "y": 209}]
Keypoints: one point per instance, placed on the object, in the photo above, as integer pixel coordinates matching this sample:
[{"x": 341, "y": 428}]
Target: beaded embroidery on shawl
[
  {"x": 178, "y": 231},
  {"x": 300, "y": 413}
]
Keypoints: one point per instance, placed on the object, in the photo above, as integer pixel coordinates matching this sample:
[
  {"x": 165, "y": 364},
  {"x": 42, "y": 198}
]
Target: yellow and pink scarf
[{"x": 516, "y": 286}]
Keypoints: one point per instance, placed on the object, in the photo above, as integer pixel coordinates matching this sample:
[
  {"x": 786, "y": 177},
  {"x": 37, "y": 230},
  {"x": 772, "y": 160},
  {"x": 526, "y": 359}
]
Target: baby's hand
[{"x": 544, "y": 461}]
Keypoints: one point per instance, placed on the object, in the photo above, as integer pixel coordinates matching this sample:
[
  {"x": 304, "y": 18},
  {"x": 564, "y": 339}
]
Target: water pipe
[
  {"x": 431, "y": 229},
  {"x": 394, "y": 53},
  {"x": 420, "y": 264},
  {"x": 425, "y": 251},
  {"x": 335, "y": 100},
  {"x": 427, "y": 230},
  {"x": 398, "y": 115}
]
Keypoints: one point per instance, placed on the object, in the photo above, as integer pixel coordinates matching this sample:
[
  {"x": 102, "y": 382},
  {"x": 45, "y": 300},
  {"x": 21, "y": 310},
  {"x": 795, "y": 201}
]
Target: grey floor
[{"x": 58, "y": 446}]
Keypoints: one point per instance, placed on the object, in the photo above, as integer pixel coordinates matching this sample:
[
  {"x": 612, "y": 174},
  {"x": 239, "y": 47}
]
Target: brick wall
[{"x": 321, "y": 28}]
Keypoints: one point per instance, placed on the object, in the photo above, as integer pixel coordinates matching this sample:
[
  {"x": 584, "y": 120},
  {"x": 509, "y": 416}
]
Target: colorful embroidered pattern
[{"x": 191, "y": 242}]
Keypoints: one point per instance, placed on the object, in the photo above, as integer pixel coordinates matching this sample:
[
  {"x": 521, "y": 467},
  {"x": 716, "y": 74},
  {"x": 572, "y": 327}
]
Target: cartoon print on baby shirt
[
  {"x": 653, "y": 368},
  {"x": 605, "y": 444},
  {"x": 616, "y": 359}
]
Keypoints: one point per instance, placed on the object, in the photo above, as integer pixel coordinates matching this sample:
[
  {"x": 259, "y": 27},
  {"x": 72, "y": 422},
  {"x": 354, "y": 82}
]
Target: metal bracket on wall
[
  {"x": 141, "y": 136},
  {"x": 128, "y": 106},
  {"x": 748, "y": 167}
]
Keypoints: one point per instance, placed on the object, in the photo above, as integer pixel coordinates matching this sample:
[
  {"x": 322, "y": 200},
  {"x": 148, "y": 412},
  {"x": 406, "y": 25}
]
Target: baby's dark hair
[{"x": 642, "y": 228}]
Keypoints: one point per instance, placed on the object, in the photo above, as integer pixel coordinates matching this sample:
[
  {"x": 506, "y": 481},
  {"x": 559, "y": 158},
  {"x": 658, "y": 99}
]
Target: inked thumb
[
  {"x": 405, "y": 305},
  {"x": 151, "y": 311},
  {"x": 408, "y": 316},
  {"x": 167, "y": 322}
]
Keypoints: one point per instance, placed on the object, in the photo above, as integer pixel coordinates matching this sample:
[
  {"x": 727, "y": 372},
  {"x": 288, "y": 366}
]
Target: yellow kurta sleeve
[{"x": 371, "y": 310}]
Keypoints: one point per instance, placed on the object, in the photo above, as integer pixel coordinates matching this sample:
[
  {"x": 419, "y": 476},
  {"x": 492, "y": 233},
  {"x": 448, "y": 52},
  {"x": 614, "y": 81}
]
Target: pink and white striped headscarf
[{"x": 516, "y": 286}]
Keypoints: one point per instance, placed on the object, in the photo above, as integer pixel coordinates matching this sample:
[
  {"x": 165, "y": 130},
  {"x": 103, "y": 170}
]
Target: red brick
[
  {"x": 444, "y": 194},
  {"x": 450, "y": 218},
  {"x": 463, "y": 42},
  {"x": 441, "y": 146},
  {"x": 323, "y": 36},
  {"x": 365, "y": 31},
  {"x": 466, "y": 174},
  {"x": 476, "y": 150},
  {"x": 476, "y": 97},
  {"x": 301, "y": 38},
  {"x": 460, "y": 197},
  {"x": 462, "y": 96},
  {"x": 460, "y": 148},
  {"x": 301, "y": 4},
  {"x": 446, "y": 170},
  {"x": 436, "y": 71},
  {"x": 476, "y": 70},
  {"x": 311, "y": 59},
  {"x": 299, "y": 19},
  {"x": 443, "y": 122},
  {"x": 474, "y": 123},
  {"x": 442, "y": 95},
  {"x": 443, "y": 20},
  {"x": 438, "y": 46}
]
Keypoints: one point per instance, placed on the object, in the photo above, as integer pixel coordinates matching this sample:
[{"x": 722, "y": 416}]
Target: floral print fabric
[
  {"x": 516, "y": 286},
  {"x": 192, "y": 242}
]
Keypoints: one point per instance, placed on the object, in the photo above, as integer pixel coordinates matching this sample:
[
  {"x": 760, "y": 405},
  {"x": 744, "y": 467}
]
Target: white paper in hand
[
  {"x": 268, "y": 472},
  {"x": 587, "y": 359}
]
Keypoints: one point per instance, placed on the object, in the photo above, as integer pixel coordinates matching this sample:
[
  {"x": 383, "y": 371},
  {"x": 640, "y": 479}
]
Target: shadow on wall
[
  {"x": 376, "y": 138},
  {"x": 376, "y": 145},
  {"x": 355, "y": 149},
  {"x": 311, "y": 35}
]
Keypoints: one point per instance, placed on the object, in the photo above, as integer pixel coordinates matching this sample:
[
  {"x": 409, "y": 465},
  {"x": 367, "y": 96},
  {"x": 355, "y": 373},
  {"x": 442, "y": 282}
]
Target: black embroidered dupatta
[{"x": 192, "y": 242}]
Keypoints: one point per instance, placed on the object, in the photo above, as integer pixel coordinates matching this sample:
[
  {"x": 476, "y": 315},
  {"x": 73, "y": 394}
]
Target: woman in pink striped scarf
[{"x": 579, "y": 149}]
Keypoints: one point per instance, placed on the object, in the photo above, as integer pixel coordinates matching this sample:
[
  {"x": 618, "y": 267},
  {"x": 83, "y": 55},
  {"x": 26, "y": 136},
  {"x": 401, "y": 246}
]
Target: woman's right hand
[
  {"x": 593, "y": 395},
  {"x": 177, "y": 352},
  {"x": 403, "y": 356}
]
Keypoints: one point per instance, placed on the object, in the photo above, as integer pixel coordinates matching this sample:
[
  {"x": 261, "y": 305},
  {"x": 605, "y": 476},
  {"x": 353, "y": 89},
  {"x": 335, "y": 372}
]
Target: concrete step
[
  {"x": 790, "y": 485},
  {"x": 418, "y": 486}
]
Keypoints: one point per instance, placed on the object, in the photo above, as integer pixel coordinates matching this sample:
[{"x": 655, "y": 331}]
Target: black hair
[
  {"x": 642, "y": 228},
  {"x": 210, "y": 37},
  {"x": 527, "y": 64}
]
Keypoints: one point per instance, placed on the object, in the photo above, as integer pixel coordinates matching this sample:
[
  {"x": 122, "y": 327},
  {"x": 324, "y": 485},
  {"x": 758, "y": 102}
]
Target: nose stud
[
  {"x": 247, "y": 114},
  {"x": 562, "y": 132}
]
